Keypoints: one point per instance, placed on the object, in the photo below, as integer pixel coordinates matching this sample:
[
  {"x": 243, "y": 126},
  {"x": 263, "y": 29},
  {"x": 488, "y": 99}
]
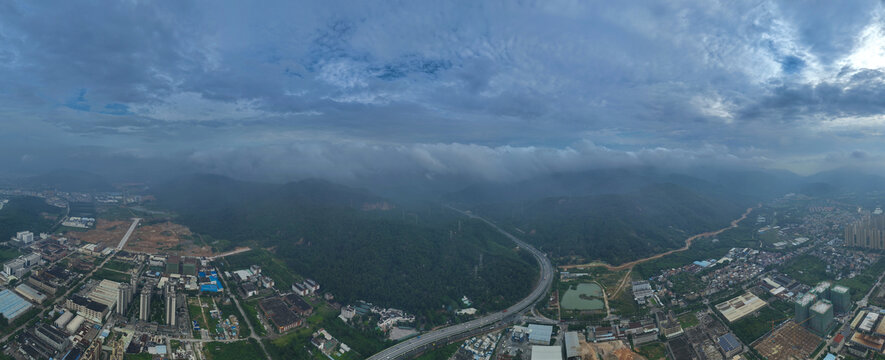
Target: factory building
[
  {"x": 540, "y": 334},
  {"x": 12, "y": 305},
  {"x": 22, "y": 238},
  {"x": 144, "y": 307},
  {"x": 821, "y": 317},
  {"x": 52, "y": 336},
  {"x": 106, "y": 292},
  {"x": 92, "y": 310},
  {"x": 572, "y": 346},
  {"x": 75, "y": 324},
  {"x": 546, "y": 353},
  {"x": 64, "y": 319},
  {"x": 19, "y": 266}
]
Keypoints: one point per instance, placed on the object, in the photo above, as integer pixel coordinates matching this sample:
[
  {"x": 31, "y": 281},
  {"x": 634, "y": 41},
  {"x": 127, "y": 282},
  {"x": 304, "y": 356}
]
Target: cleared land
[
  {"x": 107, "y": 233},
  {"x": 790, "y": 341},
  {"x": 166, "y": 238},
  {"x": 612, "y": 350}
]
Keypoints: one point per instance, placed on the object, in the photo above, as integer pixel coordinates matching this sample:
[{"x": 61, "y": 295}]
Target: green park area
[
  {"x": 246, "y": 349},
  {"x": 653, "y": 351}
]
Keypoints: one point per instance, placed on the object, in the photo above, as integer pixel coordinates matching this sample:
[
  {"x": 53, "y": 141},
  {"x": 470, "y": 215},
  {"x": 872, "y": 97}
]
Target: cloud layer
[{"x": 490, "y": 90}]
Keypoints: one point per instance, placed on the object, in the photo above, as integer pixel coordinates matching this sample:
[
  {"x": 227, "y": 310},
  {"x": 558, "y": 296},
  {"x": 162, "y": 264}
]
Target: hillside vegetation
[
  {"x": 420, "y": 260},
  {"x": 27, "y": 213},
  {"x": 616, "y": 228}
]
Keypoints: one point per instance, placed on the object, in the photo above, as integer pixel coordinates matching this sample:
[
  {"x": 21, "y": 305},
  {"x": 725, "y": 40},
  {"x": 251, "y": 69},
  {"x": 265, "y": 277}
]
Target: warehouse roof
[
  {"x": 728, "y": 342},
  {"x": 540, "y": 333},
  {"x": 740, "y": 306},
  {"x": 12, "y": 305},
  {"x": 572, "y": 345},
  {"x": 546, "y": 353}
]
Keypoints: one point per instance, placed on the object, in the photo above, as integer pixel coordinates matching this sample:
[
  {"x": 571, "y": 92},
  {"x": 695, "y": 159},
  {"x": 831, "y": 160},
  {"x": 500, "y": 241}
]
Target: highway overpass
[{"x": 440, "y": 337}]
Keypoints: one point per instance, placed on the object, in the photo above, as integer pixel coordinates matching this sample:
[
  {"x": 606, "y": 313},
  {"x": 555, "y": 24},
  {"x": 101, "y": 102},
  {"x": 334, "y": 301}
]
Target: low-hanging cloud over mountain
[{"x": 482, "y": 90}]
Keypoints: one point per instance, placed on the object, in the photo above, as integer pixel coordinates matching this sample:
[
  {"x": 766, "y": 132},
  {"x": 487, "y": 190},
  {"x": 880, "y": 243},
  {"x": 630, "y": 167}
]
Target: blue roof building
[
  {"x": 211, "y": 288},
  {"x": 730, "y": 344},
  {"x": 12, "y": 305}
]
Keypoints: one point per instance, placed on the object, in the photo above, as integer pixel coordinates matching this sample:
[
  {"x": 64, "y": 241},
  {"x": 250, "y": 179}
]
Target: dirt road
[{"x": 688, "y": 242}]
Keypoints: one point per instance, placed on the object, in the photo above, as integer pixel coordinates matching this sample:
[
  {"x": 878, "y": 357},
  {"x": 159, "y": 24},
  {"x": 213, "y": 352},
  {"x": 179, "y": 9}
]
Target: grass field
[
  {"x": 753, "y": 327},
  {"x": 624, "y": 305},
  {"x": 8, "y": 253},
  {"x": 196, "y": 312},
  {"x": 118, "y": 265},
  {"x": 607, "y": 278},
  {"x": 806, "y": 269},
  {"x": 246, "y": 349},
  {"x": 211, "y": 306},
  {"x": 862, "y": 283},
  {"x": 688, "y": 320},
  {"x": 653, "y": 351},
  {"x": 111, "y": 275}
]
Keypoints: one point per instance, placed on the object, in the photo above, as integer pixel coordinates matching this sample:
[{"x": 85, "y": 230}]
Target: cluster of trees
[
  {"x": 617, "y": 228},
  {"x": 27, "y": 213},
  {"x": 421, "y": 263}
]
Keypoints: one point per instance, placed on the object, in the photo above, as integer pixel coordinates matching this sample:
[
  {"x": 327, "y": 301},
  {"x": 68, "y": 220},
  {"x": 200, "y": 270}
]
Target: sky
[{"x": 486, "y": 90}]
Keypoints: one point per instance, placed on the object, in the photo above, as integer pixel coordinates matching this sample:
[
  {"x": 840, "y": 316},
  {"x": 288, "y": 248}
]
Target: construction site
[
  {"x": 106, "y": 232},
  {"x": 611, "y": 350},
  {"x": 166, "y": 238},
  {"x": 150, "y": 238},
  {"x": 790, "y": 341}
]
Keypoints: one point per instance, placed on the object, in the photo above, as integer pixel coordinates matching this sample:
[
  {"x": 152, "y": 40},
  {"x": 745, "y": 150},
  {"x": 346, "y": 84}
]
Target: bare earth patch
[
  {"x": 107, "y": 233},
  {"x": 166, "y": 238},
  {"x": 611, "y": 350}
]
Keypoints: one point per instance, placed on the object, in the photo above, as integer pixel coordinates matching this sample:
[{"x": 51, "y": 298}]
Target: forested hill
[
  {"x": 351, "y": 242},
  {"x": 755, "y": 185},
  {"x": 616, "y": 228},
  {"x": 27, "y": 213}
]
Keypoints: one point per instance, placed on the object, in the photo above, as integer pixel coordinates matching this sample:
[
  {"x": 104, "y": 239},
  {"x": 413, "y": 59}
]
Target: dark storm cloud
[{"x": 491, "y": 90}]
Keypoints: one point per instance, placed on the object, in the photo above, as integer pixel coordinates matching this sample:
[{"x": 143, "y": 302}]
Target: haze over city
[
  {"x": 432, "y": 180},
  {"x": 482, "y": 90}
]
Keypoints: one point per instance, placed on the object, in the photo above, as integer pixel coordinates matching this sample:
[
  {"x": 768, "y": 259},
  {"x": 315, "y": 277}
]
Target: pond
[{"x": 587, "y": 296}]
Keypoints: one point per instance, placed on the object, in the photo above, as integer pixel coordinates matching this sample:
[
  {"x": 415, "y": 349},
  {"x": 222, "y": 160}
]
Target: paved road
[
  {"x": 128, "y": 234},
  {"x": 229, "y": 253},
  {"x": 438, "y": 337},
  {"x": 252, "y": 333}
]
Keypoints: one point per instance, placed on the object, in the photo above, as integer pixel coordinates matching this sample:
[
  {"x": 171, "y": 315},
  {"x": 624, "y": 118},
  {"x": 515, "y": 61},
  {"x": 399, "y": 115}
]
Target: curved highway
[{"x": 441, "y": 336}]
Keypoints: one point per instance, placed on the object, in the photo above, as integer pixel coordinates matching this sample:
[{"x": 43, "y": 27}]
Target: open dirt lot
[
  {"x": 791, "y": 341},
  {"x": 166, "y": 238},
  {"x": 611, "y": 350},
  {"x": 107, "y": 233}
]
